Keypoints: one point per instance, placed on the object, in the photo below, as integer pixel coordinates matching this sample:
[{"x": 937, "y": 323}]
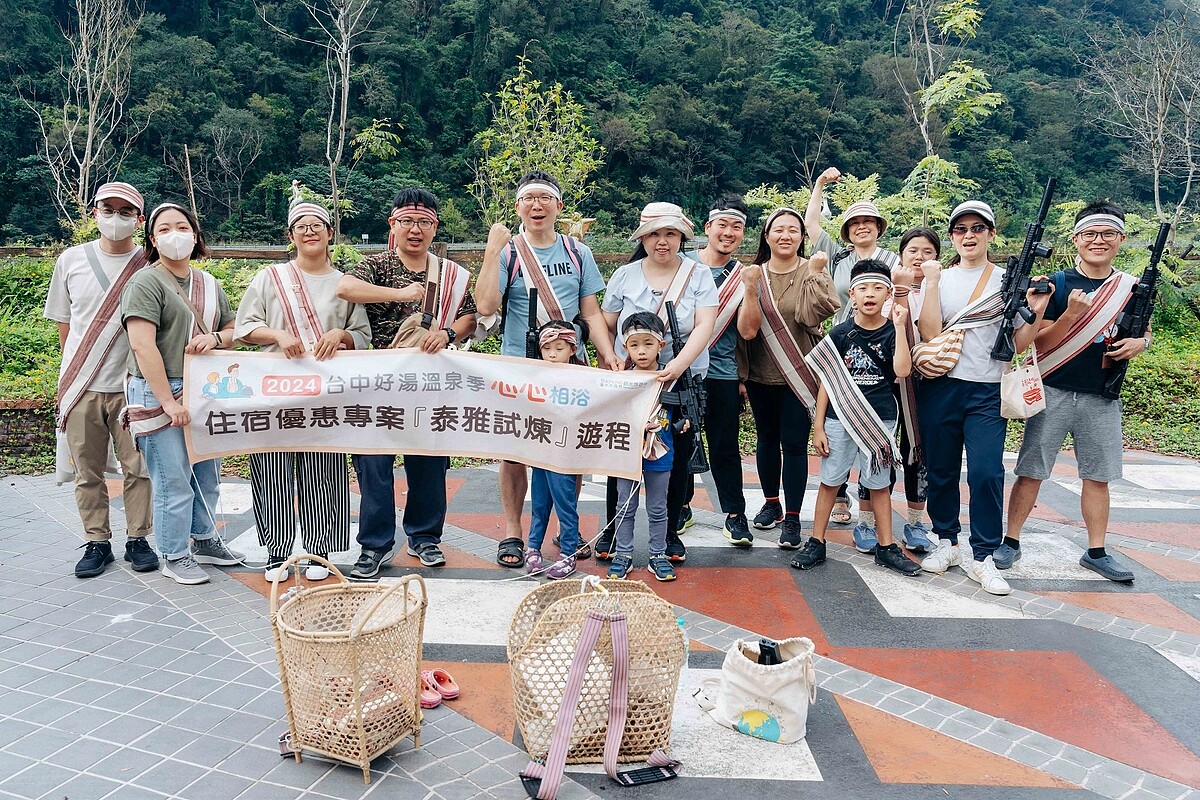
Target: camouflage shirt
[{"x": 386, "y": 269}]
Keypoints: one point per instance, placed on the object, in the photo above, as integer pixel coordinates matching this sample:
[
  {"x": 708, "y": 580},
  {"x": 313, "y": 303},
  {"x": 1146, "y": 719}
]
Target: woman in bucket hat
[{"x": 658, "y": 271}]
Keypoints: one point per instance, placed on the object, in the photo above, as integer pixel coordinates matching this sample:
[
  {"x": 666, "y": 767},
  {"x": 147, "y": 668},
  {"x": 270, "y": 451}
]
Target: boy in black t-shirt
[{"x": 873, "y": 353}]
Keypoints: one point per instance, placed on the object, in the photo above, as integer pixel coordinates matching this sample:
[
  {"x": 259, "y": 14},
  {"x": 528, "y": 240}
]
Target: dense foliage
[{"x": 688, "y": 98}]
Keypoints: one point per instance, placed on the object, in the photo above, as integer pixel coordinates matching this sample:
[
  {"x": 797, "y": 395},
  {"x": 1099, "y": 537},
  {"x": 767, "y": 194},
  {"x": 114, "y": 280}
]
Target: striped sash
[
  {"x": 874, "y": 439},
  {"x": 729, "y": 299},
  {"x": 1107, "y": 303},
  {"x": 452, "y": 292},
  {"x": 548, "y": 305},
  {"x": 784, "y": 350},
  {"x": 679, "y": 282},
  {"x": 297, "y": 305},
  {"x": 98, "y": 340},
  {"x": 940, "y": 355}
]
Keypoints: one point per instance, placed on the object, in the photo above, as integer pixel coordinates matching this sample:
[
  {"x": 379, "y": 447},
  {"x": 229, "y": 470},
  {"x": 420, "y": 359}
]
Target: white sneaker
[
  {"x": 316, "y": 572},
  {"x": 985, "y": 574},
  {"x": 943, "y": 557},
  {"x": 270, "y": 572}
]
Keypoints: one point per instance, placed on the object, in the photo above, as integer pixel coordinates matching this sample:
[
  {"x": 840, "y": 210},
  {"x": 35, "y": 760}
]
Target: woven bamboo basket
[
  {"x": 542, "y": 640},
  {"x": 349, "y": 662}
]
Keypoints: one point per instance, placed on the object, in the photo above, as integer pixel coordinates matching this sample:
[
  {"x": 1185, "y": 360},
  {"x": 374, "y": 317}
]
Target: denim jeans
[
  {"x": 553, "y": 490},
  {"x": 184, "y": 495},
  {"x": 424, "y": 510}
]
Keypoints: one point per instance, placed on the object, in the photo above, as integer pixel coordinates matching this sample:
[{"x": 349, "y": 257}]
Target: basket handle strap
[
  {"x": 294, "y": 562},
  {"x": 402, "y": 585},
  {"x": 661, "y": 766}
]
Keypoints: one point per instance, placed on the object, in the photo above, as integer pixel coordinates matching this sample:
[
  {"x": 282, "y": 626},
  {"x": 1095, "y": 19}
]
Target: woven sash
[
  {"x": 675, "y": 290},
  {"x": 98, "y": 340},
  {"x": 940, "y": 354},
  {"x": 297, "y": 304},
  {"x": 729, "y": 299},
  {"x": 454, "y": 282},
  {"x": 874, "y": 439},
  {"x": 908, "y": 393},
  {"x": 1107, "y": 303},
  {"x": 784, "y": 350},
  {"x": 206, "y": 317},
  {"x": 551, "y": 773},
  {"x": 549, "y": 306}
]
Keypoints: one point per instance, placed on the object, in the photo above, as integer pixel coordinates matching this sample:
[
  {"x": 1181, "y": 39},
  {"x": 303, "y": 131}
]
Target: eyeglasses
[
  {"x": 408, "y": 222},
  {"x": 1108, "y": 236},
  {"x": 540, "y": 199},
  {"x": 123, "y": 213},
  {"x": 310, "y": 227},
  {"x": 961, "y": 230}
]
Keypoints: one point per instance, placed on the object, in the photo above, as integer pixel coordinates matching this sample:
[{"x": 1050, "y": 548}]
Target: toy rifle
[
  {"x": 1016, "y": 278},
  {"x": 531, "y": 333},
  {"x": 1135, "y": 319},
  {"x": 689, "y": 395}
]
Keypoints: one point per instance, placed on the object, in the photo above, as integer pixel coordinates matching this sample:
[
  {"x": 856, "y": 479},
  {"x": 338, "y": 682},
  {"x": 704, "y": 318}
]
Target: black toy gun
[
  {"x": 1016, "y": 278},
  {"x": 1135, "y": 319},
  {"x": 689, "y": 395},
  {"x": 531, "y": 333}
]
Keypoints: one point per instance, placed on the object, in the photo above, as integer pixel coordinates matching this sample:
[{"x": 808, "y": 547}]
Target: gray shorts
[
  {"x": 1095, "y": 424},
  {"x": 843, "y": 453}
]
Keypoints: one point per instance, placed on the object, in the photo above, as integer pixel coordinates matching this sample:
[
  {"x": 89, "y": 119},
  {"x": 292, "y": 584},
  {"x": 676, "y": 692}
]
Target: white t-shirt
[
  {"x": 75, "y": 297},
  {"x": 955, "y": 288}
]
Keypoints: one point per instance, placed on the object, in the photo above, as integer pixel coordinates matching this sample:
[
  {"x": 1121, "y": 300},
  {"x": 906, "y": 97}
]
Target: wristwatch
[
  {"x": 451, "y": 333},
  {"x": 1145, "y": 339}
]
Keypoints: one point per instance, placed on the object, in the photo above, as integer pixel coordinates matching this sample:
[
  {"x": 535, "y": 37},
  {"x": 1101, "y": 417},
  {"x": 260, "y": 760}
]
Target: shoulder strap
[
  {"x": 983, "y": 279},
  {"x": 433, "y": 272},
  {"x": 573, "y": 254},
  {"x": 170, "y": 281},
  {"x": 93, "y": 260}
]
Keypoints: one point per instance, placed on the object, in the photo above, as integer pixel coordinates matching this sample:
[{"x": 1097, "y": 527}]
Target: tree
[
  {"x": 343, "y": 24},
  {"x": 532, "y": 128},
  {"x": 87, "y": 134},
  {"x": 937, "y": 81},
  {"x": 1147, "y": 90},
  {"x": 237, "y": 142}
]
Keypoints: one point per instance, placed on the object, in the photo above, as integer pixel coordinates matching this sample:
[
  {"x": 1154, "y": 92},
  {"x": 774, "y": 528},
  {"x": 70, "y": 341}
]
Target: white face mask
[
  {"x": 176, "y": 245},
  {"x": 116, "y": 228}
]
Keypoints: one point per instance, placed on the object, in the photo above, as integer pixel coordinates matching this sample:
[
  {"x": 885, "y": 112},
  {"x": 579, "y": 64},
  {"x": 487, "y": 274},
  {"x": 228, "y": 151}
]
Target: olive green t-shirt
[{"x": 148, "y": 297}]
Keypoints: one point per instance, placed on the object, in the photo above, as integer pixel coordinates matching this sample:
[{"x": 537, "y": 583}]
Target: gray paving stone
[
  {"x": 346, "y": 782},
  {"x": 166, "y": 740},
  {"x": 215, "y": 786},
  {"x": 298, "y": 775},
  {"x": 252, "y": 762},
  {"x": 39, "y": 744},
  {"x": 125, "y": 764},
  {"x": 461, "y": 789},
  {"x": 84, "y": 720},
  {"x": 433, "y": 774},
  {"x": 490, "y": 775},
  {"x": 82, "y": 753},
  {"x": 202, "y": 717},
  {"x": 125, "y": 729},
  {"x": 270, "y": 791},
  {"x": 46, "y": 712},
  {"x": 444, "y": 746},
  {"x": 1106, "y": 785},
  {"x": 11, "y": 763},
  {"x": 123, "y": 699},
  {"x": 207, "y": 751},
  {"x": 1066, "y": 770},
  {"x": 169, "y": 776},
  {"x": 494, "y": 748},
  {"x": 36, "y": 780},
  {"x": 85, "y": 787},
  {"x": 474, "y": 736},
  {"x": 161, "y": 707}
]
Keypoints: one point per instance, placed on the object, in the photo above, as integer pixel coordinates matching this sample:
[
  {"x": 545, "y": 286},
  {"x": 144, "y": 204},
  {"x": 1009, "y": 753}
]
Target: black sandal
[
  {"x": 511, "y": 553},
  {"x": 583, "y": 551}
]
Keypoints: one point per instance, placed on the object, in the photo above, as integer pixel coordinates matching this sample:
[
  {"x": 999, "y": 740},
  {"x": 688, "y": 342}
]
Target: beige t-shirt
[{"x": 261, "y": 307}]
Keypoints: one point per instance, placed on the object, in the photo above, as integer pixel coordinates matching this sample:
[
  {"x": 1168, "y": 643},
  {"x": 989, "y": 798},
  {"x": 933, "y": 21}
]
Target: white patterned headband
[
  {"x": 871, "y": 277},
  {"x": 542, "y": 188},
  {"x": 1099, "y": 221},
  {"x": 636, "y": 329},
  {"x": 729, "y": 213}
]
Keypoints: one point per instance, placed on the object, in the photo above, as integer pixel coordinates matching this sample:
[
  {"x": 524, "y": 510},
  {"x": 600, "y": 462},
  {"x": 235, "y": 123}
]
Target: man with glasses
[
  {"x": 568, "y": 284},
  {"x": 1072, "y": 342},
  {"x": 85, "y": 293},
  {"x": 392, "y": 285}
]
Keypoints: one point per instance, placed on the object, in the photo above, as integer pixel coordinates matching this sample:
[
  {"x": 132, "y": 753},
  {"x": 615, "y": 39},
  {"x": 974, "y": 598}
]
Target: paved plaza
[{"x": 129, "y": 686}]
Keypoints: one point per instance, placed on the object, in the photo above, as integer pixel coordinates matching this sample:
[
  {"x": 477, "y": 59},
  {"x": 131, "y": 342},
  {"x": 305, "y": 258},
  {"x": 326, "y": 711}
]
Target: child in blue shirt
[
  {"x": 557, "y": 341},
  {"x": 644, "y": 337}
]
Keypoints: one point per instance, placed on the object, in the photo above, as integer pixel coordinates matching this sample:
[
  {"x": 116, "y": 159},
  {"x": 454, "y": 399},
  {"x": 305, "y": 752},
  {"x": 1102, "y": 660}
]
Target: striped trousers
[{"x": 318, "y": 485}]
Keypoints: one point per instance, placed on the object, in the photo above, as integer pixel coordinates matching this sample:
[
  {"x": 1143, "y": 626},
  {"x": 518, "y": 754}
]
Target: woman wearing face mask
[
  {"x": 796, "y": 296},
  {"x": 658, "y": 272},
  {"x": 169, "y": 309}
]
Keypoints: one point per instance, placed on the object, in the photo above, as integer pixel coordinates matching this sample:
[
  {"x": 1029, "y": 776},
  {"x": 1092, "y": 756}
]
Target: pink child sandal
[
  {"x": 430, "y": 696},
  {"x": 445, "y": 684}
]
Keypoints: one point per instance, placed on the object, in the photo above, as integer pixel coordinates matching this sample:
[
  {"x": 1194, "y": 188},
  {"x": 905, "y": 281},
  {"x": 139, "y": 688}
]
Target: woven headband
[
  {"x": 730, "y": 213},
  {"x": 1099, "y": 221},
  {"x": 414, "y": 210},
  {"x": 536, "y": 186},
  {"x": 554, "y": 333},
  {"x": 871, "y": 277},
  {"x": 658, "y": 337},
  {"x": 161, "y": 207}
]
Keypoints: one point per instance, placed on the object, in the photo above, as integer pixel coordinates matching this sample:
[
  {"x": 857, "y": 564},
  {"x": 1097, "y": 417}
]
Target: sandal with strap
[
  {"x": 511, "y": 553},
  {"x": 841, "y": 512},
  {"x": 582, "y": 552}
]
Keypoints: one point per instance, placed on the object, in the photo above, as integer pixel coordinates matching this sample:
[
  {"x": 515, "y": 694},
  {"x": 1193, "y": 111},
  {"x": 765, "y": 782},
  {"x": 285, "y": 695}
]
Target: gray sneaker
[
  {"x": 185, "y": 570},
  {"x": 1005, "y": 556},
  {"x": 214, "y": 551}
]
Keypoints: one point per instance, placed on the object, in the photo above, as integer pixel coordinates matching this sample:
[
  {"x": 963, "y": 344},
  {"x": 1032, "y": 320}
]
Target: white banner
[{"x": 562, "y": 417}]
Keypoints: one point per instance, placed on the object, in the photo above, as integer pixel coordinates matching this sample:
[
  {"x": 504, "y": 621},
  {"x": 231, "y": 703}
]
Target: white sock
[{"x": 915, "y": 515}]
